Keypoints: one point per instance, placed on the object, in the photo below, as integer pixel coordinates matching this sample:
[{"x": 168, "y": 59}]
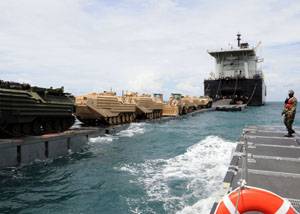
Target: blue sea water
[{"x": 167, "y": 167}]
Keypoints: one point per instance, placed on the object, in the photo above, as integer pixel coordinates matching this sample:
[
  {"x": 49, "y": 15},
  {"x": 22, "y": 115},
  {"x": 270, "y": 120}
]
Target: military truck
[
  {"x": 147, "y": 107},
  {"x": 104, "y": 108},
  {"x": 27, "y": 110}
]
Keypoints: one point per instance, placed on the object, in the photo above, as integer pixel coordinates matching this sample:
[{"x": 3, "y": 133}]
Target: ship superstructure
[{"x": 237, "y": 76}]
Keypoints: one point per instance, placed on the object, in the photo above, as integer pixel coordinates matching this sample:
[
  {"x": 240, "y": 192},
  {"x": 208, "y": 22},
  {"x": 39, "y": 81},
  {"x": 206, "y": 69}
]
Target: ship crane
[
  {"x": 258, "y": 44},
  {"x": 259, "y": 60}
]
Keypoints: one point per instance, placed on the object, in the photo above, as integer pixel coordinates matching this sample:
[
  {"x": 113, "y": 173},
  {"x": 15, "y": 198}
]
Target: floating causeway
[
  {"x": 273, "y": 162},
  {"x": 22, "y": 151},
  {"x": 231, "y": 107},
  {"x": 16, "y": 152}
]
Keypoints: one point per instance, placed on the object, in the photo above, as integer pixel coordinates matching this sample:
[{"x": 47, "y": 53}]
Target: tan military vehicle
[
  {"x": 197, "y": 102},
  {"x": 177, "y": 105},
  {"x": 205, "y": 102},
  {"x": 104, "y": 108},
  {"x": 189, "y": 104},
  {"x": 201, "y": 102},
  {"x": 158, "y": 98},
  {"x": 147, "y": 107}
]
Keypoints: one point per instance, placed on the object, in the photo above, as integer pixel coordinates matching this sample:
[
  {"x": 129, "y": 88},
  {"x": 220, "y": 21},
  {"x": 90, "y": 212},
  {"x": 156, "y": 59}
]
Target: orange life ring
[{"x": 254, "y": 199}]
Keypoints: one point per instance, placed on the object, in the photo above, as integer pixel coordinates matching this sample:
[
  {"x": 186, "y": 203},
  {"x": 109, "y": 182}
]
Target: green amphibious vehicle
[{"x": 27, "y": 110}]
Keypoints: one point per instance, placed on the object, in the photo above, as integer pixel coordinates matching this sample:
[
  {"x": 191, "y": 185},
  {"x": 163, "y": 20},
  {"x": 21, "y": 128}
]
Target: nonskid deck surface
[{"x": 273, "y": 162}]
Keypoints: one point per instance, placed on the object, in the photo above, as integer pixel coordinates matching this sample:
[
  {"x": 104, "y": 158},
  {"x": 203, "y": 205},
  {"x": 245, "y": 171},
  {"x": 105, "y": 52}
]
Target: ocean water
[{"x": 167, "y": 167}]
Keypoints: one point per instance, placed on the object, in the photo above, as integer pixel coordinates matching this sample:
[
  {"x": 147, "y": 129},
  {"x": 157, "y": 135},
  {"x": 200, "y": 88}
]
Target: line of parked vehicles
[{"x": 28, "y": 110}]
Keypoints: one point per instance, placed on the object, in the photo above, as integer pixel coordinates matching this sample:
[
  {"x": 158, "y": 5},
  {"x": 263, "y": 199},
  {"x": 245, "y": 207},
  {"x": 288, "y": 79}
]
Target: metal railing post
[{"x": 244, "y": 173}]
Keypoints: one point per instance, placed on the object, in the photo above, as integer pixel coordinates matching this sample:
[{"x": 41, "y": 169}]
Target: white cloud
[
  {"x": 146, "y": 81},
  {"x": 90, "y": 45},
  {"x": 190, "y": 87}
]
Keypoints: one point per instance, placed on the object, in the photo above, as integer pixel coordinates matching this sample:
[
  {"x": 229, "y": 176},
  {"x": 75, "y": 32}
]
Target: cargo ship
[{"x": 237, "y": 76}]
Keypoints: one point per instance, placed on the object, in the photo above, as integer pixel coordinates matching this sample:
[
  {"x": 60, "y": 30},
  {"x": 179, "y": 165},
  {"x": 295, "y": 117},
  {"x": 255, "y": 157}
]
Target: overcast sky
[{"x": 145, "y": 46}]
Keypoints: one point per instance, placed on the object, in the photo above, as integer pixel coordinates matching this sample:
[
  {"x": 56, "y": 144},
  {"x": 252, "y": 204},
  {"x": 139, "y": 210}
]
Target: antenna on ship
[{"x": 239, "y": 39}]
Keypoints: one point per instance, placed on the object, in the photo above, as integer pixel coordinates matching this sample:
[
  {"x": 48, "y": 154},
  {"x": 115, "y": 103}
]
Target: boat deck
[{"x": 273, "y": 162}]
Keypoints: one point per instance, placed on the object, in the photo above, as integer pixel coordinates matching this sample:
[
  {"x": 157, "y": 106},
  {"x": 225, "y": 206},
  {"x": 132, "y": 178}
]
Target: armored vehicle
[
  {"x": 27, "y": 110},
  {"x": 204, "y": 102},
  {"x": 197, "y": 102},
  {"x": 201, "y": 102},
  {"x": 147, "y": 107},
  {"x": 189, "y": 104},
  {"x": 104, "y": 108},
  {"x": 177, "y": 105},
  {"x": 158, "y": 98}
]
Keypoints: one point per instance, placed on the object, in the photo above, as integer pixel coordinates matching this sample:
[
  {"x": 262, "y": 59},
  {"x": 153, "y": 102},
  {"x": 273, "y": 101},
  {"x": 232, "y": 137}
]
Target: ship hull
[{"x": 253, "y": 89}]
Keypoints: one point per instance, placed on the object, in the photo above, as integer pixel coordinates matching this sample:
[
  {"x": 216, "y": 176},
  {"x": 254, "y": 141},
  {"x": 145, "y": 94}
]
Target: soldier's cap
[{"x": 291, "y": 91}]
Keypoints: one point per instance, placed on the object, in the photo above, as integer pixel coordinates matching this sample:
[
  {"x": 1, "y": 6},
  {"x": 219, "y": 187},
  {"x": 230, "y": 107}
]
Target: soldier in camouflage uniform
[{"x": 289, "y": 113}]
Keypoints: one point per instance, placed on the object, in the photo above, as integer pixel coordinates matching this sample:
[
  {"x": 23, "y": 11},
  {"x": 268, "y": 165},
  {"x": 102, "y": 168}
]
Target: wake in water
[
  {"x": 187, "y": 183},
  {"x": 132, "y": 130}
]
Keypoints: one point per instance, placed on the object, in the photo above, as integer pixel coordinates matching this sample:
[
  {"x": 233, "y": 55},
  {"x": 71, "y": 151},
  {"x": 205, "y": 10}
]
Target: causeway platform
[
  {"x": 15, "y": 152},
  {"x": 231, "y": 107},
  {"x": 273, "y": 162},
  {"x": 224, "y": 105}
]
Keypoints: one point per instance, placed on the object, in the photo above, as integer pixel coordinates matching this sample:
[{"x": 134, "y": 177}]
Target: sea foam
[
  {"x": 132, "y": 130},
  {"x": 187, "y": 183}
]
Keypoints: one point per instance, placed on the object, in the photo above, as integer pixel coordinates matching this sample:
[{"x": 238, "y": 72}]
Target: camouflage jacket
[{"x": 289, "y": 109}]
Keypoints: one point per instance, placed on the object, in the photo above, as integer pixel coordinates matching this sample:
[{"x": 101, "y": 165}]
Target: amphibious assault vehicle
[
  {"x": 179, "y": 105},
  {"x": 204, "y": 102},
  {"x": 189, "y": 104},
  {"x": 176, "y": 105},
  {"x": 104, "y": 108},
  {"x": 147, "y": 107},
  {"x": 27, "y": 110}
]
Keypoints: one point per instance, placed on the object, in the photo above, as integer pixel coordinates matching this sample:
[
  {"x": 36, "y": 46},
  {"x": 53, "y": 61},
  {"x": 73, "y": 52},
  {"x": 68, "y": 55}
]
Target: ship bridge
[
  {"x": 232, "y": 51},
  {"x": 240, "y": 62}
]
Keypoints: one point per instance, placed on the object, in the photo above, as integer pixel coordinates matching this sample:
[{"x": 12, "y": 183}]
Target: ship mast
[{"x": 239, "y": 39}]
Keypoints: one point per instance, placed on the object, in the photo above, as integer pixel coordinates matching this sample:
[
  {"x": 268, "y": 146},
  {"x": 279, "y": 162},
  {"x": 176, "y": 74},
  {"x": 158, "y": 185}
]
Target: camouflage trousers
[{"x": 288, "y": 122}]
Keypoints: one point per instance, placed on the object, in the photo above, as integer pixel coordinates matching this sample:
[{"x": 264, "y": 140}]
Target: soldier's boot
[{"x": 289, "y": 124}]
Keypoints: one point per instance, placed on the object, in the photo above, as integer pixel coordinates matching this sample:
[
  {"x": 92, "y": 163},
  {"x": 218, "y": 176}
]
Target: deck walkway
[{"x": 273, "y": 162}]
